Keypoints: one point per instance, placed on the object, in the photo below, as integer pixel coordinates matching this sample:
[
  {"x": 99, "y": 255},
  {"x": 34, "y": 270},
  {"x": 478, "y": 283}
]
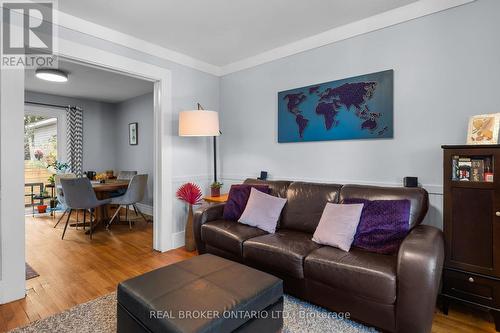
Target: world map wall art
[{"x": 359, "y": 107}]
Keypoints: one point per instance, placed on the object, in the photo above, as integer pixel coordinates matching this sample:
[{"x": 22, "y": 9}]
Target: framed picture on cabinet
[{"x": 483, "y": 129}]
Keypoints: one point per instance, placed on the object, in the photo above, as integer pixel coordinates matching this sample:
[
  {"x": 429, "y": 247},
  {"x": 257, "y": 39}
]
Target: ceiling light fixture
[{"x": 53, "y": 75}]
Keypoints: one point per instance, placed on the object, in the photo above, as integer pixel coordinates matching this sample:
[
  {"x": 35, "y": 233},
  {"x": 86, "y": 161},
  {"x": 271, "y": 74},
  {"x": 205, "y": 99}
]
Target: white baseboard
[
  {"x": 178, "y": 239},
  {"x": 146, "y": 209}
]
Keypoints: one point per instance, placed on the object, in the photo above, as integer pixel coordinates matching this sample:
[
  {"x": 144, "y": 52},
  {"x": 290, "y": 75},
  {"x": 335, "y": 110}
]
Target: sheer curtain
[{"x": 74, "y": 128}]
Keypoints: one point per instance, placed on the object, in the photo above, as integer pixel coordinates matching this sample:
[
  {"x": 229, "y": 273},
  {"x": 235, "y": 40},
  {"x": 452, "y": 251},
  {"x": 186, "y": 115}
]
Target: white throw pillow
[
  {"x": 338, "y": 225},
  {"x": 262, "y": 211}
]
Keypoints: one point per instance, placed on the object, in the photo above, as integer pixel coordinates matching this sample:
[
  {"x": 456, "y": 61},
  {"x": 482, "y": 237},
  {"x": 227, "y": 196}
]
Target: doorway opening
[
  {"x": 13, "y": 236},
  {"x": 116, "y": 123}
]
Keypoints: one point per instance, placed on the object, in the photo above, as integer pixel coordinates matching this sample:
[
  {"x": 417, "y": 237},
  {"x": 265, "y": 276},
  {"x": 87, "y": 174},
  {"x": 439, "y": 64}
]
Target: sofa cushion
[
  {"x": 228, "y": 235},
  {"x": 383, "y": 225},
  {"x": 365, "y": 274},
  {"x": 306, "y": 202},
  {"x": 282, "y": 252},
  {"x": 238, "y": 198},
  {"x": 262, "y": 211},
  {"x": 419, "y": 198},
  {"x": 337, "y": 226},
  {"x": 278, "y": 187}
]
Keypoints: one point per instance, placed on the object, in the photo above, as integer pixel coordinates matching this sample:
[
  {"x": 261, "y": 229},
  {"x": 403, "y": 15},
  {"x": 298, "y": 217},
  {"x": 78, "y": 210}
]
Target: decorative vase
[
  {"x": 189, "y": 233},
  {"x": 215, "y": 191},
  {"x": 41, "y": 208}
]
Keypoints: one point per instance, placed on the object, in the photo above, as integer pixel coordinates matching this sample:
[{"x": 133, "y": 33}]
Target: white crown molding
[
  {"x": 399, "y": 15},
  {"x": 114, "y": 36}
]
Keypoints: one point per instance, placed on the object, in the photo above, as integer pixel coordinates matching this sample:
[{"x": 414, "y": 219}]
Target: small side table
[
  {"x": 220, "y": 199},
  {"x": 41, "y": 198}
]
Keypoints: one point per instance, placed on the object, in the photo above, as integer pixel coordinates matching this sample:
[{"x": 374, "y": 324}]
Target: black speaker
[
  {"x": 263, "y": 175},
  {"x": 410, "y": 182}
]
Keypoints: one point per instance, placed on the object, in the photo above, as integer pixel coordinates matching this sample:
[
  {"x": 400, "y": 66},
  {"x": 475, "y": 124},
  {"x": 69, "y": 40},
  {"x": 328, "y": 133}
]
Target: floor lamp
[{"x": 201, "y": 123}]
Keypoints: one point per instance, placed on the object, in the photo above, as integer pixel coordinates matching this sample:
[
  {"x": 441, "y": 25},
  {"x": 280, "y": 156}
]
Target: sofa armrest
[
  {"x": 204, "y": 215},
  {"x": 420, "y": 264}
]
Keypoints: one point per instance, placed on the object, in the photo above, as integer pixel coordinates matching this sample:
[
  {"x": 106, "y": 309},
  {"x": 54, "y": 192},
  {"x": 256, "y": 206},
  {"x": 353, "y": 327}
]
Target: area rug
[
  {"x": 30, "y": 272},
  {"x": 99, "y": 316}
]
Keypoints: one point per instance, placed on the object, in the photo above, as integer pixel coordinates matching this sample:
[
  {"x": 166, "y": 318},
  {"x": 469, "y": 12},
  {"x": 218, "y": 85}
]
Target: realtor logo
[{"x": 28, "y": 34}]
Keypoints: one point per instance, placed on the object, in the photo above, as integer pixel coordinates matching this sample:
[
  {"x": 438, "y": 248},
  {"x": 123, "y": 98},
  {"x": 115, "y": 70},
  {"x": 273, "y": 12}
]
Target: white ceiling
[
  {"x": 221, "y": 32},
  {"x": 90, "y": 83}
]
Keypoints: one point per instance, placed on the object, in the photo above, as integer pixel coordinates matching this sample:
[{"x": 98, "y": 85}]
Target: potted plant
[
  {"x": 41, "y": 208},
  {"x": 58, "y": 167},
  {"x": 215, "y": 189},
  {"x": 191, "y": 194}
]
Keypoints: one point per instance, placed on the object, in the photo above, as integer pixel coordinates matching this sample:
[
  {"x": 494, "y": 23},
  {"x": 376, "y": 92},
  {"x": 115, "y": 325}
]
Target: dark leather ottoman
[{"x": 203, "y": 294}]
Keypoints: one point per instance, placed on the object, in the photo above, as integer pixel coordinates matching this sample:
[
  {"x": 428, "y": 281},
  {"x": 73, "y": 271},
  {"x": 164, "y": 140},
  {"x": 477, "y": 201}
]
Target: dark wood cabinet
[{"x": 471, "y": 212}]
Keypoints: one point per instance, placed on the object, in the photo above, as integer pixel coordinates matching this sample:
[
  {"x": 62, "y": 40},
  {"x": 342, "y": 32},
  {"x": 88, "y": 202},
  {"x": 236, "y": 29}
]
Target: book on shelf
[
  {"x": 455, "y": 175},
  {"x": 464, "y": 169},
  {"x": 475, "y": 169}
]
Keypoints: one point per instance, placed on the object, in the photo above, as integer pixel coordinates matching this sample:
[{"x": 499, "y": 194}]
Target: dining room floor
[{"x": 77, "y": 270}]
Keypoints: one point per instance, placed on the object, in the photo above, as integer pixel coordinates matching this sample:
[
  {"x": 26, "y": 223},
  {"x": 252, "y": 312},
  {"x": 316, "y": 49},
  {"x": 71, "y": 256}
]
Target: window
[{"x": 44, "y": 143}]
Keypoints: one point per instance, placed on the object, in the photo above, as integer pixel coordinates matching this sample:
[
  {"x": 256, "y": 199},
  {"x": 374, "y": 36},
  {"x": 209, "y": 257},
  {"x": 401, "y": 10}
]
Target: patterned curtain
[{"x": 74, "y": 121}]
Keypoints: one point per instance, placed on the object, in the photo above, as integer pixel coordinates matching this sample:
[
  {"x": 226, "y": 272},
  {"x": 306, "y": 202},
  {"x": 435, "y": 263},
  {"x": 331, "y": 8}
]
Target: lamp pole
[
  {"x": 215, "y": 150},
  {"x": 215, "y": 159}
]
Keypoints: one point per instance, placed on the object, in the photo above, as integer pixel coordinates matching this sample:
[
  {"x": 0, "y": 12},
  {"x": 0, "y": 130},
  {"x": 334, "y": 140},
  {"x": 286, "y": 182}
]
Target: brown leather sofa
[{"x": 395, "y": 293}]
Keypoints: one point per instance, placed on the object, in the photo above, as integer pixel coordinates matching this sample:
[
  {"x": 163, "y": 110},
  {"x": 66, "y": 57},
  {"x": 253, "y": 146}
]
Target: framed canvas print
[
  {"x": 483, "y": 129},
  {"x": 132, "y": 134},
  {"x": 359, "y": 107}
]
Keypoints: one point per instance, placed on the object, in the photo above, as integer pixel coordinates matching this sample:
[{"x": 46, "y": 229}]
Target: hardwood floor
[{"x": 76, "y": 270}]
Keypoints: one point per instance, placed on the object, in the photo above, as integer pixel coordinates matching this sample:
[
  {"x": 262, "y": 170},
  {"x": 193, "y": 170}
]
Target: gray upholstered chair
[
  {"x": 123, "y": 175},
  {"x": 126, "y": 175},
  {"x": 79, "y": 194},
  {"x": 60, "y": 194},
  {"x": 135, "y": 192}
]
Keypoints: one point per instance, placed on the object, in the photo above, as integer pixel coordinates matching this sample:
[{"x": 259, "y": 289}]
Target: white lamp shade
[{"x": 199, "y": 123}]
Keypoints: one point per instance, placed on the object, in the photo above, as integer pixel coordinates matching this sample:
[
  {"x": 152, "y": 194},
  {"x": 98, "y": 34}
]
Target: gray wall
[
  {"x": 192, "y": 156},
  {"x": 105, "y": 134},
  {"x": 98, "y": 123},
  {"x": 446, "y": 69},
  {"x": 141, "y": 156}
]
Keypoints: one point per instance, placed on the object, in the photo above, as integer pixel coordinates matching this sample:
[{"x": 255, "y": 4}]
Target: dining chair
[
  {"x": 126, "y": 175},
  {"x": 123, "y": 175},
  {"x": 79, "y": 194},
  {"x": 60, "y": 194},
  {"x": 135, "y": 193}
]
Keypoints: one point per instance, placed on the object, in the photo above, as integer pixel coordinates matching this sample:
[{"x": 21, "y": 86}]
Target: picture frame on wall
[
  {"x": 483, "y": 129},
  {"x": 133, "y": 134},
  {"x": 354, "y": 108}
]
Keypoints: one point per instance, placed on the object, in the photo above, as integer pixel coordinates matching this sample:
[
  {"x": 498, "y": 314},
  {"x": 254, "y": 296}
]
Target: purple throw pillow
[
  {"x": 237, "y": 200},
  {"x": 383, "y": 225}
]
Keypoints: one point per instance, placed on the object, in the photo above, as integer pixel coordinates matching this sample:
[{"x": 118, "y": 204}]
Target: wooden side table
[{"x": 220, "y": 199}]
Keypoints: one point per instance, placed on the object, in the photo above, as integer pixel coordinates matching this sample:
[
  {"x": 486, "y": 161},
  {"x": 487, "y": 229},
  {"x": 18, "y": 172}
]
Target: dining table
[{"x": 103, "y": 191}]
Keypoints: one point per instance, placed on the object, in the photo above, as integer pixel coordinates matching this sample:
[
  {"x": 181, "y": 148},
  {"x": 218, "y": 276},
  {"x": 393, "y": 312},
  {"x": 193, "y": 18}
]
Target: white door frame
[{"x": 12, "y": 231}]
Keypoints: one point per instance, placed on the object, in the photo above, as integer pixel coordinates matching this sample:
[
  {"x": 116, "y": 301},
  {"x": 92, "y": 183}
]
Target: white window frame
[{"x": 60, "y": 115}]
